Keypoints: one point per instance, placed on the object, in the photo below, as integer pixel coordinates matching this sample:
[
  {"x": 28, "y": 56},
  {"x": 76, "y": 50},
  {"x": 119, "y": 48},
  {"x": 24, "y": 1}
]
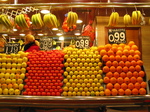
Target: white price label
[
  {"x": 82, "y": 42},
  {"x": 46, "y": 43}
]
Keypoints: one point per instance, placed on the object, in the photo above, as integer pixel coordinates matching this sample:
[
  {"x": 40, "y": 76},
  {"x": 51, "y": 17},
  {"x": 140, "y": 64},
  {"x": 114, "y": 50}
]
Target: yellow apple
[
  {"x": 17, "y": 92},
  {"x": 3, "y": 65},
  {"x": 2, "y": 75},
  {"x": 24, "y": 65},
  {"x": 24, "y": 59},
  {"x": 1, "y": 91},
  {"x": 21, "y": 86},
  {"x": 23, "y": 70},
  {"x": 5, "y": 91},
  {"x": 11, "y": 91}
]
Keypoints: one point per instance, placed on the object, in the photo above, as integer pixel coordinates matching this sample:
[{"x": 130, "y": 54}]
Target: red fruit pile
[
  {"x": 44, "y": 76},
  {"x": 123, "y": 69}
]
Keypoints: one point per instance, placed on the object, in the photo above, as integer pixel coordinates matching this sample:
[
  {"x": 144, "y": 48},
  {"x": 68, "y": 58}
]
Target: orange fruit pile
[{"x": 123, "y": 69}]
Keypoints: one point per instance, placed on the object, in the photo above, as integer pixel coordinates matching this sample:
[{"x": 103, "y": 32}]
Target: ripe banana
[
  {"x": 136, "y": 17},
  {"x": 72, "y": 18},
  {"x": 4, "y": 19},
  {"x": 126, "y": 19},
  {"x": 113, "y": 19},
  {"x": 37, "y": 20},
  {"x": 50, "y": 20},
  {"x": 21, "y": 22}
]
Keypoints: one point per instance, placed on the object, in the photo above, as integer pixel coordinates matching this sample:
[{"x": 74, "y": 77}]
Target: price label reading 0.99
[
  {"x": 82, "y": 42},
  {"x": 116, "y": 36},
  {"x": 46, "y": 43}
]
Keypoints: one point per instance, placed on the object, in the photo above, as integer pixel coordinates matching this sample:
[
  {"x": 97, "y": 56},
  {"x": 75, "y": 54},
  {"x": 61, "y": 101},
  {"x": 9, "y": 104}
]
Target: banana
[
  {"x": 134, "y": 17},
  {"x": 127, "y": 19},
  {"x": 72, "y": 18},
  {"x": 5, "y": 21},
  {"x": 76, "y": 17},
  {"x": 139, "y": 15},
  {"x": 69, "y": 19},
  {"x": 37, "y": 20},
  {"x": 113, "y": 19}
]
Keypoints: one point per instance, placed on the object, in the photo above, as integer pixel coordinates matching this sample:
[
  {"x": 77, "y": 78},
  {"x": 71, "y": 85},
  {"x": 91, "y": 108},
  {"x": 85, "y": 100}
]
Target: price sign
[
  {"x": 82, "y": 42},
  {"x": 46, "y": 43},
  {"x": 116, "y": 36},
  {"x": 11, "y": 48}
]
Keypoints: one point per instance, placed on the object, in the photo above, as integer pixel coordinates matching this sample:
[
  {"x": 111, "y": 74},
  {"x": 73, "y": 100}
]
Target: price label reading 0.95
[
  {"x": 46, "y": 43},
  {"x": 82, "y": 42},
  {"x": 116, "y": 36},
  {"x": 11, "y": 48}
]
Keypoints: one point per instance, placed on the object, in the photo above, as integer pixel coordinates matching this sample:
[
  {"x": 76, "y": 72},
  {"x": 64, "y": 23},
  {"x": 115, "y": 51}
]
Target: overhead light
[
  {"x": 77, "y": 32},
  {"x": 61, "y": 38},
  {"x": 22, "y": 34},
  {"x": 15, "y": 29},
  {"x": 40, "y": 34},
  {"x": 13, "y": 38},
  {"x": 45, "y": 11},
  {"x": 79, "y": 21},
  {"x": 59, "y": 34},
  {"x": 5, "y": 34},
  {"x": 3, "y": 0},
  {"x": 54, "y": 29}
]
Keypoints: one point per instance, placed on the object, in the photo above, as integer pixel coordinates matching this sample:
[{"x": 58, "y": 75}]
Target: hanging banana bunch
[
  {"x": 37, "y": 21},
  {"x": 126, "y": 19},
  {"x": 136, "y": 17},
  {"x": 6, "y": 21},
  {"x": 113, "y": 19},
  {"x": 72, "y": 18},
  {"x": 50, "y": 20}
]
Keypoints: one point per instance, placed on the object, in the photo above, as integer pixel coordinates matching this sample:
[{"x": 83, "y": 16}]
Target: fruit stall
[{"x": 79, "y": 75}]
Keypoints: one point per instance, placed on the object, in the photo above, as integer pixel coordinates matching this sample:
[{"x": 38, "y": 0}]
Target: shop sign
[
  {"x": 46, "y": 43},
  {"x": 82, "y": 42},
  {"x": 11, "y": 48},
  {"x": 116, "y": 36}
]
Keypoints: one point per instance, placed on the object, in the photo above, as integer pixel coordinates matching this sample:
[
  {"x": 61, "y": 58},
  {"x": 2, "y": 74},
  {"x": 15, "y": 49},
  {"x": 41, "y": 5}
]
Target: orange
[
  {"x": 138, "y": 68},
  {"x": 120, "y": 48},
  {"x": 134, "y": 47},
  {"x": 133, "y": 63},
  {"x": 137, "y": 85},
  {"x": 119, "y": 69},
  {"x": 143, "y": 84},
  {"x": 132, "y": 68},
  {"x": 117, "y": 86},
  {"x": 121, "y": 63},
  {"x": 125, "y": 52},
  {"x": 122, "y": 74},
  {"x": 121, "y": 92},
  {"x": 109, "y": 86},
  {"x": 125, "y": 69},
  {"x": 107, "y": 47},
  {"x": 109, "y": 74},
  {"x": 130, "y": 86},
  {"x": 141, "y": 74},
  {"x": 129, "y": 74},
  {"x": 139, "y": 79},
  {"x": 110, "y": 52},
  {"x": 124, "y": 86},
  {"x": 114, "y": 45},
  {"x": 136, "y": 57},
  {"x": 127, "y": 63},
  {"x": 112, "y": 69},
  {"x": 137, "y": 52},
  {"x": 131, "y": 52},
  {"x": 135, "y": 91},
  {"x": 122, "y": 45},
  {"x": 112, "y": 58},
  {"x": 107, "y": 92},
  {"x": 117, "y": 58},
  {"x": 108, "y": 63},
  {"x": 135, "y": 74},
  {"x": 142, "y": 91},
  {"x": 127, "y": 47},
  {"x": 127, "y": 92},
  {"x": 130, "y": 58},
  {"x": 113, "y": 80},
  {"x": 124, "y": 58},
  {"x": 100, "y": 48},
  {"x": 106, "y": 80},
  {"x": 133, "y": 80},
  {"x": 119, "y": 52},
  {"x": 115, "y": 63},
  {"x": 126, "y": 80},
  {"x": 114, "y": 92},
  {"x": 120, "y": 80},
  {"x": 116, "y": 75},
  {"x": 105, "y": 69},
  {"x": 105, "y": 58},
  {"x": 140, "y": 62},
  {"x": 103, "y": 52},
  {"x": 131, "y": 43},
  {"x": 114, "y": 48}
]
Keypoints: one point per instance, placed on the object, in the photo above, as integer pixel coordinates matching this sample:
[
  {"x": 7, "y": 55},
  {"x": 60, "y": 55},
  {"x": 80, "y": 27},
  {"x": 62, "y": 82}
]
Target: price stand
[
  {"x": 11, "y": 48},
  {"x": 46, "y": 43},
  {"x": 82, "y": 42}
]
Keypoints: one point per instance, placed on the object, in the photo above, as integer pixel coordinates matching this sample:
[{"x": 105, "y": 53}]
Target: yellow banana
[
  {"x": 127, "y": 19},
  {"x": 138, "y": 16},
  {"x": 134, "y": 17},
  {"x": 69, "y": 19}
]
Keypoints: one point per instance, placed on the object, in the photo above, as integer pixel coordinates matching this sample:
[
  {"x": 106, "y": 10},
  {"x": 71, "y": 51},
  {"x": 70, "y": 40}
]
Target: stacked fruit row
[
  {"x": 44, "y": 73},
  {"x": 12, "y": 73},
  {"x": 123, "y": 69},
  {"x": 83, "y": 74}
]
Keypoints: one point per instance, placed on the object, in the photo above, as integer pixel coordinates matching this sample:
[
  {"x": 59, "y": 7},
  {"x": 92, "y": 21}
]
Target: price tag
[
  {"x": 46, "y": 43},
  {"x": 11, "y": 48},
  {"x": 82, "y": 42},
  {"x": 116, "y": 36}
]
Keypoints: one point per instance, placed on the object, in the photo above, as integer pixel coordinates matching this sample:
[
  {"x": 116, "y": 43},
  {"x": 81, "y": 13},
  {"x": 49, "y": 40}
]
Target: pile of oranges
[{"x": 123, "y": 69}]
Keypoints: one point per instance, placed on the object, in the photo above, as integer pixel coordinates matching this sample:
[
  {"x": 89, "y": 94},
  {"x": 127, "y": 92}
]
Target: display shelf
[{"x": 73, "y": 101}]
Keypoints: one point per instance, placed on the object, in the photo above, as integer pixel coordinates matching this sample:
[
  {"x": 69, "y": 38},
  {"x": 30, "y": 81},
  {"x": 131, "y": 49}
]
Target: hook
[
  {"x": 50, "y": 7},
  {"x": 126, "y": 11},
  {"x": 135, "y": 7}
]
